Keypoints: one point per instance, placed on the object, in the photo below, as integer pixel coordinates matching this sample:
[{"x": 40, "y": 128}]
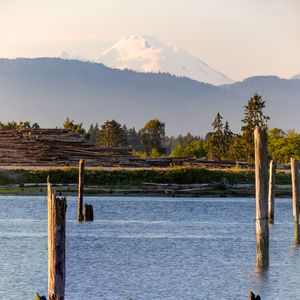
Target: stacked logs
[{"x": 57, "y": 147}]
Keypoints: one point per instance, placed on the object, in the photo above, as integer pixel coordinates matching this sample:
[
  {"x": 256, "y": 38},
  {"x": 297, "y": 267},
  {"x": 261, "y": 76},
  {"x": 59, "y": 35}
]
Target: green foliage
[
  {"x": 125, "y": 177},
  {"x": 195, "y": 148},
  {"x": 219, "y": 141},
  {"x": 92, "y": 133},
  {"x": 253, "y": 116},
  {"x": 18, "y": 126},
  {"x": 154, "y": 153},
  {"x": 134, "y": 139},
  {"x": 142, "y": 155},
  {"x": 284, "y": 145},
  {"x": 237, "y": 148},
  {"x": 216, "y": 139},
  {"x": 152, "y": 135},
  {"x": 71, "y": 125},
  {"x": 111, "y": 135}
]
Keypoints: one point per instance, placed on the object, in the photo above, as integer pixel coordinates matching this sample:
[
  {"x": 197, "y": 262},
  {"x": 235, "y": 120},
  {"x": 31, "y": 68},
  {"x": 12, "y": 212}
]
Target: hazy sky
[{"x": 238, "y": 37}]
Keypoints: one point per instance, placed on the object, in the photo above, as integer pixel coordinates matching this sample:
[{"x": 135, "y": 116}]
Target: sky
[{"x": 240, "y": 38}]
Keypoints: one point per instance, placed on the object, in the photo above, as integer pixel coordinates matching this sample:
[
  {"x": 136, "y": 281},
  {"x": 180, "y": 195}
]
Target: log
[
  {"x": 88, "y": 213},
  {"x": 80, "y": 190},
  {"x": 261, "y": 186},
  {"x": 271, "y": 196},
  {"x": 56, "y": 245},
  {"x": 295, "y": 188}
]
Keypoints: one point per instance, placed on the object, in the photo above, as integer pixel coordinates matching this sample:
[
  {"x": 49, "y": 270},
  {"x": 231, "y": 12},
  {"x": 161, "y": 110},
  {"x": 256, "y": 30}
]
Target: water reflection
[
  {"x": 296, "y": 233},
  {"x": 296, "y": 244},
  {"x": 261, "y": 272}
]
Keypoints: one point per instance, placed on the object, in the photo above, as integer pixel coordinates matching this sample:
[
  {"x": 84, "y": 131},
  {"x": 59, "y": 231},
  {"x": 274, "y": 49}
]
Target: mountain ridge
[{"x": 47, "y": 90}]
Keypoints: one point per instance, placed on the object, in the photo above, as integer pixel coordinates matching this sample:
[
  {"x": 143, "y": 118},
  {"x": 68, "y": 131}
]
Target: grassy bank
[{"x": 134, "y": 177}]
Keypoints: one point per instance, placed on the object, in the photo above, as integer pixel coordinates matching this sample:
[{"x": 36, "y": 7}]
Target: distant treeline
[{"x": 221, "y": 143}]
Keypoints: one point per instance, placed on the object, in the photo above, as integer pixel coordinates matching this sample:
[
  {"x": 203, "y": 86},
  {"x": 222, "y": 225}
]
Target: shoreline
[{"x": 136, "y": 191}]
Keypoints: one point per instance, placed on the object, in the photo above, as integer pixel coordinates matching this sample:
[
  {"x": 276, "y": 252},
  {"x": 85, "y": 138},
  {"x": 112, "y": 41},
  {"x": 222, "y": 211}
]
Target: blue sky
[{"x": 238, "y": 37}]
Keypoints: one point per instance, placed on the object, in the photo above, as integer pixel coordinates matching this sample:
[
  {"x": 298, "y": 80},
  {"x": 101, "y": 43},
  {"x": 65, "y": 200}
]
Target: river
[{"x": 149, "y": 248}]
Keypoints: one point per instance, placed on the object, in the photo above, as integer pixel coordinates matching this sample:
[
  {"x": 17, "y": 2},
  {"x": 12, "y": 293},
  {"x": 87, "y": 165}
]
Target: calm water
[{"x": 149, "y": 248}]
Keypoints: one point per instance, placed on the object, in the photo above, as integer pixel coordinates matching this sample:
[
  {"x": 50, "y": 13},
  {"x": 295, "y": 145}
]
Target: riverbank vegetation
[
  {"x": 219, "y": 144},
  {"x": 134, "y": 177}
]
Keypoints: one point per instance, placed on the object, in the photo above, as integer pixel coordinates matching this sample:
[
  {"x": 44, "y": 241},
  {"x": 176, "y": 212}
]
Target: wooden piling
[
  {"x": 88, "y": 213},
  {"x": 56, "y": 245},
  {"x": 80, "y": 190},
  {"x": 295, "y": 188},
  {"x": 253, "y": 297},
  {"x": 38, "y": 297},
  {"x": 261, "y": 185},
  {"x": 271, "y": 196}
]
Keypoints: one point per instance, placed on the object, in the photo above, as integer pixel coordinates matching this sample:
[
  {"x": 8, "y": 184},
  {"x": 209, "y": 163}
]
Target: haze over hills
[
  {"x": 148, "y": 54},
  {"x": 47, "y": 90},
  {"x": 296, "y": 77}
]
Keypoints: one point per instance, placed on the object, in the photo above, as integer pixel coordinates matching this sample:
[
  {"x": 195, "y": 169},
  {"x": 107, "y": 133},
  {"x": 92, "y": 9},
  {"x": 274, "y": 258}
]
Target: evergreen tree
[
  {"x": 111, "y": 135},
  {"x": 228, "y": 136},
  {"x": 254, "y": 116},
  {"x": 91, "y": 133},
  {"x": 134, "y": 139},
  {"x": 216, "y": 139}
]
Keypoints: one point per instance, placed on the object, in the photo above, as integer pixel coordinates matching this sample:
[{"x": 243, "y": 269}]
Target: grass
[{"x": 134, "y": 177}]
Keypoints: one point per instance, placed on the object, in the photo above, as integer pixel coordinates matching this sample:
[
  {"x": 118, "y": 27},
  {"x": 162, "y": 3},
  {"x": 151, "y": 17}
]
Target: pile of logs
[
  {"x": 58, "y": 147},
  {"x": 61, "y": 147}
]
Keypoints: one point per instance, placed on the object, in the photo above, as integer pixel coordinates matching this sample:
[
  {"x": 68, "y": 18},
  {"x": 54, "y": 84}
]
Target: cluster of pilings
[{"x": 265, "y": 195}]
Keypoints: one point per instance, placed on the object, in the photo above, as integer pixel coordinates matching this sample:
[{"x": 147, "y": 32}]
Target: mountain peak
[
  {"x": 143, "y": 41},
  {"x": 143, "y": 53}
]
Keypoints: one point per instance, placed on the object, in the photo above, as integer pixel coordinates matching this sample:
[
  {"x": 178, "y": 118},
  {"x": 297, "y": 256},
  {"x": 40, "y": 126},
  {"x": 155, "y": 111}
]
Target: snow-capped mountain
[
  {"x": 147, "y": 54},
  {"x": 296, "y": 77}
]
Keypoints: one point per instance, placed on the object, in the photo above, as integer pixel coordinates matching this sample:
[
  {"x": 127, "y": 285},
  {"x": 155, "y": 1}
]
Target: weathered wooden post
[
  {"x": 295, "y": 191},
  {"x": 80, "y": 190},
  {"x": 88, "y": 213},
  {"x": 271, "y": 197},
  {"x": 57, "y": 207},
  {"x": 261, "y": 183},
  {"x": 295, "y": 188},
  {"x": 38, "y": 297},
  {"x": 253, "y": 297}
]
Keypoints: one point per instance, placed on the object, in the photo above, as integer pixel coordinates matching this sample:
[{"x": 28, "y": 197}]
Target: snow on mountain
[
  {"x": 296, "y": 77},
  {"x": 68, "y": 56},
  {"x": 147, "y": 54}
]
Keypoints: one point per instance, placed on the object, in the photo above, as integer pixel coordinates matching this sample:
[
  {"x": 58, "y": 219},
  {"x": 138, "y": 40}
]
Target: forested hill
[{"x": 46, "y": 90}]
